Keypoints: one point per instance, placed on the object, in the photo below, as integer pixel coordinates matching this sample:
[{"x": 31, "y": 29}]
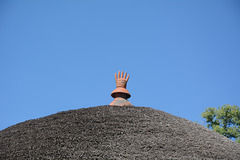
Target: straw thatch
[{"x": 114, "y": 132}]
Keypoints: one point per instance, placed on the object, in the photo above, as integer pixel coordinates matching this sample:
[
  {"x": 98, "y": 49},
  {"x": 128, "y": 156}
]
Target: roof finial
[{"x": 121, "y": 94}]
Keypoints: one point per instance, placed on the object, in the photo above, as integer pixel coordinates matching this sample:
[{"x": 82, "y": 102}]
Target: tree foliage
[{"x": 224, "y": 120}]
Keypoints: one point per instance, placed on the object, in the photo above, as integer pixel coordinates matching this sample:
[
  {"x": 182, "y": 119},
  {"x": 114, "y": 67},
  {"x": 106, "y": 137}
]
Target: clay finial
[{"x": 121, "y": 94}]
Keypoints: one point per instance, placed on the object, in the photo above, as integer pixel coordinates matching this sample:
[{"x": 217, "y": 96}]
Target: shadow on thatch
[{"x": 114, "y": 132}]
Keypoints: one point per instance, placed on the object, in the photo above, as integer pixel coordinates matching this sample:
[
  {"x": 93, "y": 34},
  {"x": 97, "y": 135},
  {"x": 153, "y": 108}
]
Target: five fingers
[{"x": 120, "y": 75}]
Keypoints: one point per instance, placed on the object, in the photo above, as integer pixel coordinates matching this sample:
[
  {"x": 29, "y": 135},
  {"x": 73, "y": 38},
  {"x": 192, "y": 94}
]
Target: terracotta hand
[{"x": 120, "y": 80}]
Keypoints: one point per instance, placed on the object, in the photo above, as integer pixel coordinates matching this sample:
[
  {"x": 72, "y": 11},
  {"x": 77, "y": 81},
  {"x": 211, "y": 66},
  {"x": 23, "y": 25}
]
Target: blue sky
[{"x": 58, "y": 55}]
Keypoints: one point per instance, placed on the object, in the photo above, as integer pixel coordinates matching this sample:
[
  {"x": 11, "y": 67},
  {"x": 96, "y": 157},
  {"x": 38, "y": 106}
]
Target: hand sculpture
[
  {"x": 121, "y": 94},
  {"x": 120, "y": 80}
]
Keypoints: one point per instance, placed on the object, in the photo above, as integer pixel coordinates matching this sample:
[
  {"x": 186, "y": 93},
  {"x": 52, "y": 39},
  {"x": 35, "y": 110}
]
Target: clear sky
[{"x": 58, "y": 55}]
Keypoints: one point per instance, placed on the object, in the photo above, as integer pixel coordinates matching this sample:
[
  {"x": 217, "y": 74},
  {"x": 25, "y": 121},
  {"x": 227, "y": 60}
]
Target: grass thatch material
[{"x": 113, "y": 132}]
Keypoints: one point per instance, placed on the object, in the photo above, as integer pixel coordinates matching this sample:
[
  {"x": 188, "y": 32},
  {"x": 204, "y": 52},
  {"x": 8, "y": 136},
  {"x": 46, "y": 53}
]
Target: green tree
[{"x": 224, "y": 120}]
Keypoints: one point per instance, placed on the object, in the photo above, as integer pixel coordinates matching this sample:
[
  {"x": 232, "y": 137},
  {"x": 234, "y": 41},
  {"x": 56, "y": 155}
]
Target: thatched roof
[{"x": 114, "y": 132}]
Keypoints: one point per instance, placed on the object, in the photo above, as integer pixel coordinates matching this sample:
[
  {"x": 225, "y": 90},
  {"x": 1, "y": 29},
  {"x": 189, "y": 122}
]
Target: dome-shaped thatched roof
[{"x": 114, "y": 132}]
